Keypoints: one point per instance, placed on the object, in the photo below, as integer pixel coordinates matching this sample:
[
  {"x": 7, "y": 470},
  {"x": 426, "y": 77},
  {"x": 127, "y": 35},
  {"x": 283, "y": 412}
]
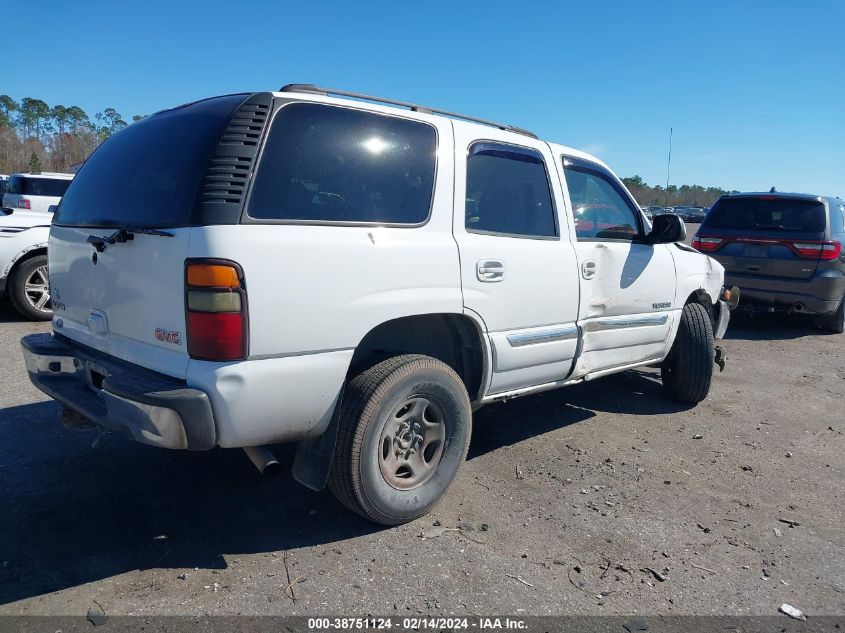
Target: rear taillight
[
  {"x": 817, "y": 250},
  {"x": 215, "y": 306},
  {"x": 706, "y": 244},
  {"x": 24, "y": 203}
]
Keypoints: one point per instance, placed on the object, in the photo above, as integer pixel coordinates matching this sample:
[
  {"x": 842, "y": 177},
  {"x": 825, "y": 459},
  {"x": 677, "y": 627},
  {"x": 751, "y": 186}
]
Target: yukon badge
[
  {"x": 662, "y": 306},
  {"x": 168, "y": 336}
]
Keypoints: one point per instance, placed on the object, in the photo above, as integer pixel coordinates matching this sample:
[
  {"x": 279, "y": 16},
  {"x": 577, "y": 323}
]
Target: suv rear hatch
[
  {"x": 767, "y": 235},
  {"x": 120, "y": 237},
  {"x": 35, "y": 193}
]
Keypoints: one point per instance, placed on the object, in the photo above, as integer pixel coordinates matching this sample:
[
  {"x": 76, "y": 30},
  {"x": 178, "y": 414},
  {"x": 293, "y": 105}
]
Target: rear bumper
[
  {"x": 147, "y": 406},
  {"x": 820, "y": 294}
]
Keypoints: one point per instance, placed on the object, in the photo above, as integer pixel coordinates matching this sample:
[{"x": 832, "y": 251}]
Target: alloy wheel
[{"x": 37, "y": 289}]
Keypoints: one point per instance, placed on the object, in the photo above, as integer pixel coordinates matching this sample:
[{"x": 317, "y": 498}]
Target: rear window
[
  {"x": 147, "y": 175},
  {"x": 791, "y": 215},
  {"x": 329, "y": 164},
  {"x": 34, "y": 186}
]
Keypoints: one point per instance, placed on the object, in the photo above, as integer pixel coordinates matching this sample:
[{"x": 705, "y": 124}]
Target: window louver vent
[{"x": 224, "y": 184}]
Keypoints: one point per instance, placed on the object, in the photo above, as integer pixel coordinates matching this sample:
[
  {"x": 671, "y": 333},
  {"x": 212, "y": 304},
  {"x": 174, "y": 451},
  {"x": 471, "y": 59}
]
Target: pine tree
[{"x": 34, "y": 164}]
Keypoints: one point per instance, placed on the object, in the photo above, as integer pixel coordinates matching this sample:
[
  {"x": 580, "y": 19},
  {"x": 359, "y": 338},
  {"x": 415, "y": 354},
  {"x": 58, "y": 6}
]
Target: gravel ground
[{"x": 603, "y": 498}]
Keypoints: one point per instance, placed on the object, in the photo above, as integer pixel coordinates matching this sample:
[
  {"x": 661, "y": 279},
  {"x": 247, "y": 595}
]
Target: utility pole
[{"x": 668, "y": 165}]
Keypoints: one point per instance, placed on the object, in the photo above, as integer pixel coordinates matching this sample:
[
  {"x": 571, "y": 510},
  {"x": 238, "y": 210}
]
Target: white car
[
  {"x": 23, "y": 261},
  {"x": 356, "y": 275},
  {"x": 35, "y": 192}
]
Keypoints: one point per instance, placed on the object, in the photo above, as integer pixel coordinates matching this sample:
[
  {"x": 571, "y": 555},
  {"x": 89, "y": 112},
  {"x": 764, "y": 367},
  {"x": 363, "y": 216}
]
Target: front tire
[
  {"x": 403, "y": 433},
  {"x": 688, "y": 370},
  {"x": 30, "y": 289}
]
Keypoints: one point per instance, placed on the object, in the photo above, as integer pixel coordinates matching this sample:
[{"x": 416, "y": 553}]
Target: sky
[{"x": 754, "y": 91}]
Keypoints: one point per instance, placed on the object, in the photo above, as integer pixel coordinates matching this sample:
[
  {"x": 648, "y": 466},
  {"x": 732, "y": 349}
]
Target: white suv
[
  {"x": 35, "y": 192},
  {"x": 24, "y": 227},
  {"x": 355, "y": 277}
]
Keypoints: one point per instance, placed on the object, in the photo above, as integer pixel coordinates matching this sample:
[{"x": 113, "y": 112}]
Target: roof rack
[{"x": 311, "y": 88}]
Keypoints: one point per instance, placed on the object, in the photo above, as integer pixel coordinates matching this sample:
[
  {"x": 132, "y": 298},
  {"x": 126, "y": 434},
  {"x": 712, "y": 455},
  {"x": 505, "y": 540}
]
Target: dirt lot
[{"x": 575, "y": 501}]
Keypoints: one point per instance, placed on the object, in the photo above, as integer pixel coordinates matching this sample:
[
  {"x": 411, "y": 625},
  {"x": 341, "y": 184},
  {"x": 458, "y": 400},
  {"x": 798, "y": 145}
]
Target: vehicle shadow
[
  {"x": 636, "y": 262},
  {"x": 74, "y": 514},
  {"x": 771, "y": 327},
  {"x": 80, "y": 506},
  {"x": 635, "y": 392}
]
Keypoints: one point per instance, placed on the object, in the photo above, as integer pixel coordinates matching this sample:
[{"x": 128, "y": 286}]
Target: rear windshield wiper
[
  {"x": 122, "y": 235},
  {"x": 769, "y": 227}
]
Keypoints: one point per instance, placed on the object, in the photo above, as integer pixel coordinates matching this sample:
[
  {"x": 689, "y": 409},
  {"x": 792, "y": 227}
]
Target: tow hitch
[{"x": 720, "y": 358}]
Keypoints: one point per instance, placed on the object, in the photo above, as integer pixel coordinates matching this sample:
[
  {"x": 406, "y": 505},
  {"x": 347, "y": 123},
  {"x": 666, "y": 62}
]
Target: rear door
[
  {"x": 766, "y": 235},
  {"x": 518, "y": 272},
  {"x": 627, "y": 285},
  {"x": 127, "y": 298}
]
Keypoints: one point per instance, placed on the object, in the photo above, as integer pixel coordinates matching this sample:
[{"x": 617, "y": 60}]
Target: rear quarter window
[
  {"x": 148, "y": 174},
  {"x": 325, "y": 163}
]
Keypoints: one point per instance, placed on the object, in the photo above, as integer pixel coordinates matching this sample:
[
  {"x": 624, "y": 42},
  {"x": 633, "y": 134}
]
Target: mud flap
[
  {"x": 313, "y": 460},
  {"x": 720, "y": 358}
]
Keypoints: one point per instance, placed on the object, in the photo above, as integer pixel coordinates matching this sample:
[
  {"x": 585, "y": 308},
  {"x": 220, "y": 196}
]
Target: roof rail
[{"x": 311, "y": 88}]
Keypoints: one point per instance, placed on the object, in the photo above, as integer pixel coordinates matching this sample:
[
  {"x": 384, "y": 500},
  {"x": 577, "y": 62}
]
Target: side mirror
[
  {"x": 667, "y": 228},
  {"x": 52, "y": 208}
]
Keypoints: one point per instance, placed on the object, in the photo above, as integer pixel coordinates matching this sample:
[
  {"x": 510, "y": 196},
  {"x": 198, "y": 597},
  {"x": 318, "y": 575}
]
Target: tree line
[
  {"x": 673, "y": 195},
  {"x": 37, "y": 137}
]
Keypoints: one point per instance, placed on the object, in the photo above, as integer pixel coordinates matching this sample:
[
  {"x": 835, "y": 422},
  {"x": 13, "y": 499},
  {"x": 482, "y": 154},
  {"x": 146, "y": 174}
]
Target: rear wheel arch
[
  {"x": 20, "y": 258},
  {"x": 456, "y": 339}
]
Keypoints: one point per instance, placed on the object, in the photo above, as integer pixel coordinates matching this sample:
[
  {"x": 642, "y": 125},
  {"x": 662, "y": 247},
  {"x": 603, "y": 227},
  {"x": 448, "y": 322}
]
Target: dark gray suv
[{"x": 783, "y": 250}]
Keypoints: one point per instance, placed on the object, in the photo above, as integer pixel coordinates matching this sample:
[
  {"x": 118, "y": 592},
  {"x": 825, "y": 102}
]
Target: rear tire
[
  {"x": 30, "y": 289},
  {"x": 688, "y": 370},
  {"x": 403, "y": 433},
  {"x": 835, "y": 323}
]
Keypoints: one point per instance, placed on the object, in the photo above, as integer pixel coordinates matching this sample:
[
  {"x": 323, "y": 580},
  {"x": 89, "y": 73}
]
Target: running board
[{"x": 526, "y": 391}]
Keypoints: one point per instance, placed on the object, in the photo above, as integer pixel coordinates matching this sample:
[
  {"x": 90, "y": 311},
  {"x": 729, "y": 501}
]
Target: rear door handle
[
  {"x": 589, "y": 269},
  {"x": 490, "y": 270}
]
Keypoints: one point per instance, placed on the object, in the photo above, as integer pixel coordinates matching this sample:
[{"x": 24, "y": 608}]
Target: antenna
[{"x": 668, "y": 165}]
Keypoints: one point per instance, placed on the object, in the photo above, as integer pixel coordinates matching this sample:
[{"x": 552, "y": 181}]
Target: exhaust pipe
[{"x": 263, "y": 459}]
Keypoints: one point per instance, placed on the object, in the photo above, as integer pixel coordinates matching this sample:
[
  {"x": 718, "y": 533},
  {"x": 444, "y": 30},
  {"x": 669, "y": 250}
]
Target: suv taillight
[
  {"x": 706, "y": 244},
  {"x": 215, "y": 310},
  {"x": 24, "y": 203},
  {"x": 817, "y": 250}
]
